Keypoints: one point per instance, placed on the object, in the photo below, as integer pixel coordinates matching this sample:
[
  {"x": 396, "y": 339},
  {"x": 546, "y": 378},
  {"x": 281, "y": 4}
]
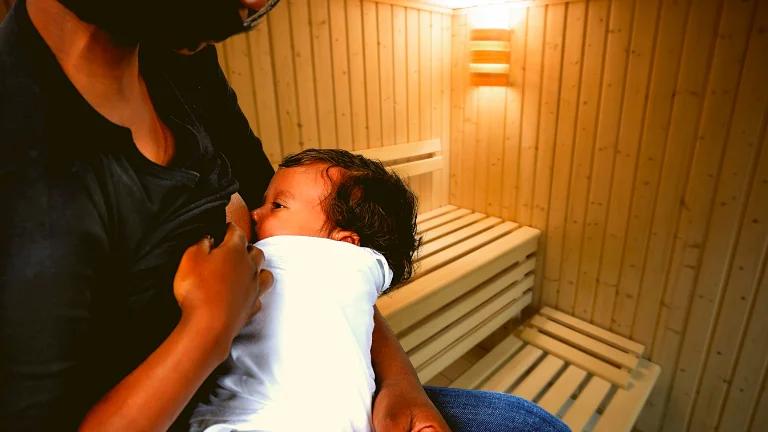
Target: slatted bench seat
[{"x": 475, "y": 274}]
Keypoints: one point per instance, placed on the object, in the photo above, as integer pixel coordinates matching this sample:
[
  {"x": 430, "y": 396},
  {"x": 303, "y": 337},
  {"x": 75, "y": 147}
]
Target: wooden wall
[
  {"x": 346, "y": 74},
  {"x": 634, "y": 136}
]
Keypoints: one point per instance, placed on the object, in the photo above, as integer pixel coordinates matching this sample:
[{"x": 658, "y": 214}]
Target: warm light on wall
[
  {"x": 489, "y": 57},
  {"x": 503, "y": 16}
]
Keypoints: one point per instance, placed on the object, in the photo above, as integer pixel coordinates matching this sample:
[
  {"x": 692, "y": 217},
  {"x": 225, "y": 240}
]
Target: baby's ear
[{"x": 346, "y": 237}]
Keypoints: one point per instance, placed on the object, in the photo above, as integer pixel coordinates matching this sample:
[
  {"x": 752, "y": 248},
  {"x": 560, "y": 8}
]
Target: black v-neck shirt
[{"x": 91, "y": 232}]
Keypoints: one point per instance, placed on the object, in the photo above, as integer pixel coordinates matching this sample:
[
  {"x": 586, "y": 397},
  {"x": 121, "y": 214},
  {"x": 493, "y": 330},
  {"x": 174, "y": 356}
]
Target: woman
[{"x": 113, "y": 161}]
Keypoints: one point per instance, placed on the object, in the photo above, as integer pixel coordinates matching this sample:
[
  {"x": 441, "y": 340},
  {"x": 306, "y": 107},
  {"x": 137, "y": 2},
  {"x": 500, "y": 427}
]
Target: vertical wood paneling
[
  {"x": 744, "y": 140},
  {"x": 321, "y": 49},
  {"x": 399, "y": 27},
  {"x": 625, "y": 161},
  {"x": 341, "y": 80},
  {"x": 425, "y": 186},
  {"x": 513, "y": 110},
  {"x": 304, "y": 69},
  {"x": 625, "y": 148},
  {"x": 534, "y": 54},
  {"x": 266, "y": 102},
  {"x": 672, "y": 25},
  {"x": 240, "y": 77},
  {"x": 282, "y": 49},
  {"x": 612, "y": 93},
  {"x": 372, "y": 82},
  {"x": 550, "y": 98},
  {"x": 589, "y": 101},
  {"x": 459, "y": 78},
  {"x": 357, "y": 73},
  {"x": 566, "y": 125},
  {"x": 386, "y": 59},
  {"x": 348, "y": 74}
]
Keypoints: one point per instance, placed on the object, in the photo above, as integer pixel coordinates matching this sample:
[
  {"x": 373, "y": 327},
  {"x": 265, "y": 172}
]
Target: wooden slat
[
  {"x": 683, "y": 127},
  {"x": 413, "y": 302},
  {"x": 585, "y": 343},
  {"x": 458, "y": 236},
  {"x": 529, "y": 134},
  {"x": 436, "y": 97},
  {"x": 401, "y": 74},
  {"x": 611, "y": 96},
  {"x": 450, "y": 354},
  {"x": 593, "y": 331},
  {"x": 511, "y": 280},
  {"x": 241, "y": 77},
  {"x": 585, "y": 405},
  {"x": 266, "y": 102},
  {"x": 459, "y": 78},
  {"x": 341, "y": 84},
  {"x": 402, "y": 151},
  {"x": 534, "y": 383},
  {"x": 498, "y": 356},
  {"x": 722, "y": 235},
  {"x": 413, "y": 169},
  {"x": 305, "y": 82},
  {"x": 439, "y": 341},
  {"x": 485, "y": 105},
  {"x": 740, "y": 292},
  {"x": 572, "y": 355},
  {"x": 584, "y": 143},
  {"x": 412, "y": 45},
  {"x": 357, "y": 73},
  {"x": 452, "y": 227},
  {"x": 279, "y": 22},
  {"x": 554, "y": 399},
  {"x": 464, "y": 248},
  {"x": 441, "y": 220},
  {"x": 630, "y": 134},
  {"x": 545, "y": 154},
  {"x": 513, "y": 108},
  {"x": 621, "y": 413},
  {"x": 725, "y": 74},
  {"x": 423, "y": 217},
  {"x": 321, "y": 50},
  {"x": 502, "y": 380},
  {"x": 372, "y": 83},
  {"x": 446, "y": 108},
  {"x": 752, "y": 364},
  {"x": 566, "y": 125},
  {"x": 386, "y": 74},
  {"x": 669, "y": 45}
]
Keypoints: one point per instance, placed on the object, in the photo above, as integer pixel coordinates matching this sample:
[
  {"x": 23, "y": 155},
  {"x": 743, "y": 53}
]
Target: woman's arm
[
  {"x": 153, "y": 395},
  {"x": 218, "y": 291},
  {"x": 401, "y": 403}
]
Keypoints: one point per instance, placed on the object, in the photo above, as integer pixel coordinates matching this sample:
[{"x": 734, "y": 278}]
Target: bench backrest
[{"x": 409, "y": 159}]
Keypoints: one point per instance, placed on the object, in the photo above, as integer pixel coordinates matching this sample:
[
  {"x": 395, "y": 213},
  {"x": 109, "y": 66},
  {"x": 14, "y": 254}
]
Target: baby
[{"x": 337, "y": 231}]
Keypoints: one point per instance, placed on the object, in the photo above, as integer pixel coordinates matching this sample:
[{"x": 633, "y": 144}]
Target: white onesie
[{"x": 304, "y": 362}]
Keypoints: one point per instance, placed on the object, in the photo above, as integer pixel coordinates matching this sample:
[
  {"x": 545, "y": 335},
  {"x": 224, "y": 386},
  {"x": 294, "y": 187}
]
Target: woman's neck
[{"x": 105, "y": 74}]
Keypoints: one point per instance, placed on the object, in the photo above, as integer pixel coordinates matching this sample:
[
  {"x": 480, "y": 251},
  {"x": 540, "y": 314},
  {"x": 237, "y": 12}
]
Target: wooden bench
[{"x": 475, "y": 274}]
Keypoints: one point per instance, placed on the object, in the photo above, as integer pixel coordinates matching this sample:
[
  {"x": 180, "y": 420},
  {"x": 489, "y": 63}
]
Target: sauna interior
[{"x": 630, "y": 133}]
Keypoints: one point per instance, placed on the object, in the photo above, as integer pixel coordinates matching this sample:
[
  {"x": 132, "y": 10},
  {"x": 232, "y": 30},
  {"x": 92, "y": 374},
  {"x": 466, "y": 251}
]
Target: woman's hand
[
  {"x": 406, "y": 408},
  {"x": 220, "y": 287}
]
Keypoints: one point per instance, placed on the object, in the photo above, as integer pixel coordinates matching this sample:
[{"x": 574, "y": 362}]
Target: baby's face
[{"x": 293, "y": 203}]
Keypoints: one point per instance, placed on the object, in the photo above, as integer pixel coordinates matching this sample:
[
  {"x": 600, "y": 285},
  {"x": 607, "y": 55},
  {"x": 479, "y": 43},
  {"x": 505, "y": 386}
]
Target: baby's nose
[{"x": 256, "y": 215}]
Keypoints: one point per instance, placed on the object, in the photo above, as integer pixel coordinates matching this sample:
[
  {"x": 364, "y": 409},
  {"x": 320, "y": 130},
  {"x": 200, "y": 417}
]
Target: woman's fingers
[
  {"x": 266, "y": 279},
  {"x": 235, "y": 237}
]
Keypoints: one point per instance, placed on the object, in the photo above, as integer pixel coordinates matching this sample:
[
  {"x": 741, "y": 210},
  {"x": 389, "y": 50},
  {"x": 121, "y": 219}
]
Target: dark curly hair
[{"x": 370, "y": 201}]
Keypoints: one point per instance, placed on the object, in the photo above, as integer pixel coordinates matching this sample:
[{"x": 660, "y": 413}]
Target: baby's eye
[{"x": 277, "y": 205}]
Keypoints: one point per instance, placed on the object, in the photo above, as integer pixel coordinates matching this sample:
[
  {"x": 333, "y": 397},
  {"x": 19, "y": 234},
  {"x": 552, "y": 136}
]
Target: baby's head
[{"x": 342, "y": 196}]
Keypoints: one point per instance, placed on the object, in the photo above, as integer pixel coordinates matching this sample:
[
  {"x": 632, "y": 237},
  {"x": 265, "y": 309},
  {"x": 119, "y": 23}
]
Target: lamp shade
[{"x": 489, "y": 57}]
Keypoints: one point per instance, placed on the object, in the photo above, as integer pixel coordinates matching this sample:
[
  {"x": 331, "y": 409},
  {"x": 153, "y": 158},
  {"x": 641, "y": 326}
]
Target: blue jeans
[{"x": 482, "y": 411}]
